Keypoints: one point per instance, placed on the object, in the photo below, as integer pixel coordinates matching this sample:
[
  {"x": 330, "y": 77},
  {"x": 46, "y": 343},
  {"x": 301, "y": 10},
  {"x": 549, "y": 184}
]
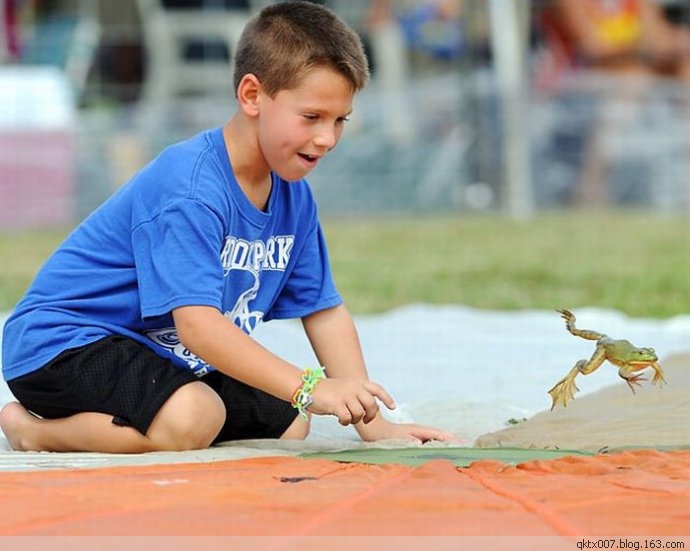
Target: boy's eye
[{"x": 314, "y": 117}]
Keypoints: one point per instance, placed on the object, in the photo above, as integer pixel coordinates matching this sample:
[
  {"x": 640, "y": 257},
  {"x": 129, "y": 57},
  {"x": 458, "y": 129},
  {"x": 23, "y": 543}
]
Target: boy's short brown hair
[{"x": 288, "y": 39}]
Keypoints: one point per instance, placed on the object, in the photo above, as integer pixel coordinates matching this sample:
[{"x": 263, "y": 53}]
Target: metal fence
[{"x": 428, "y": 134}]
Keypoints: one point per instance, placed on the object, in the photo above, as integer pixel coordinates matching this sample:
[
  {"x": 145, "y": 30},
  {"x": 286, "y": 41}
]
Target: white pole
[{"x": 509, "y": 38}]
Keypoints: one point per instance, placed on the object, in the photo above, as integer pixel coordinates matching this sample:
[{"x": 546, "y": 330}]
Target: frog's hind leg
[
  {"x": 566, "y": 388},
  {"x": 569, "y": 318}
]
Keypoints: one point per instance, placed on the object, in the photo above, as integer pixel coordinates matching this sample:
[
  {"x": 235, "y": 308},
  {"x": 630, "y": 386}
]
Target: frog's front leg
[
  {"x": 565, "y": 389},
  {"x": 633, "y": 380},
  {"x": 658, "y": 374}
]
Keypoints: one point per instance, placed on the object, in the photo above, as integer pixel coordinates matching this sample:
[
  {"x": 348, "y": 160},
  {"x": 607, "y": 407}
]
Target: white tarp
[{"x": 469, "y": 371}]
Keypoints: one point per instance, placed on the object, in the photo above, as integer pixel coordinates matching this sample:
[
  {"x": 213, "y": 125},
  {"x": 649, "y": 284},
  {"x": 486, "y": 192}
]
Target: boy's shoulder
[
  {"x": 187, "y": 152},
  {"x": 185, "y": 172},
  {"x": 178, "y": 168}
]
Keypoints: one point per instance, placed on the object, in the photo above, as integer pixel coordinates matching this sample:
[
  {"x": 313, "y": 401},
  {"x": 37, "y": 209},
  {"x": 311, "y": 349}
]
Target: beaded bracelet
[{"x": 302, "y": 398}]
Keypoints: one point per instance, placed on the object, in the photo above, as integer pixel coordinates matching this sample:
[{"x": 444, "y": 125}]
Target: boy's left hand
[{"x": 382, "y": 429}]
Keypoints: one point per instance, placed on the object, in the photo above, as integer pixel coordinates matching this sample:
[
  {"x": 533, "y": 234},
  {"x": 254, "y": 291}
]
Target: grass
[
  {"x": 634, "y": 262},
  {"x": 21, "y": 254},
  {"x": 637, "y": 263}
]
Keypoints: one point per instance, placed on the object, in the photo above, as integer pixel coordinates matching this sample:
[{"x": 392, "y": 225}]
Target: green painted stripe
[{"x": 461, "y": 457}]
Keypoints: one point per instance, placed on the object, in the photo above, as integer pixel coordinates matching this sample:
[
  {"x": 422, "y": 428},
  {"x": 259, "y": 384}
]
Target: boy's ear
[{"x": 248, "y": 94}]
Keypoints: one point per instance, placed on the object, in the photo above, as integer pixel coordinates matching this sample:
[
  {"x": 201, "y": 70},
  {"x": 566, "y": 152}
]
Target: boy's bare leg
[
  {"x": 190, "y": 419},
  {"x": 298, "y": 430}
]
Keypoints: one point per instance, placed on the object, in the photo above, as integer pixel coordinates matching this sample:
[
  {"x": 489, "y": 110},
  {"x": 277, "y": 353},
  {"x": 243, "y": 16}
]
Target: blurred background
[{"x": 508, "y": 108}]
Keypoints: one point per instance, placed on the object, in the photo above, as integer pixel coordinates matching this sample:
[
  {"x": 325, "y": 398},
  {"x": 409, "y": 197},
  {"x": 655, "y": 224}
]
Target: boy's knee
[{"x": 190, "y": 419}]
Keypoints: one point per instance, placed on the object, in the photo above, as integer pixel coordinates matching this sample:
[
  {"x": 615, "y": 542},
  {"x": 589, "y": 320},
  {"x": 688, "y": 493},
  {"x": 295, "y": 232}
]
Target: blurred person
[
  {"x": 9, "y": 30},
  {"x": 432, "y": 27},
  {"x": 404, "y": 37},
  {"x": 624, "y": 36},
  {"x": 630, "y": 40},
  {"x": 135, "y": 334}
]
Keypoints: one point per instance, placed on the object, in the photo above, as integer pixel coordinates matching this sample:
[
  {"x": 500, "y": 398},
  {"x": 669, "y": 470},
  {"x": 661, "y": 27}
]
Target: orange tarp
[{"x": 625, "y": 494}]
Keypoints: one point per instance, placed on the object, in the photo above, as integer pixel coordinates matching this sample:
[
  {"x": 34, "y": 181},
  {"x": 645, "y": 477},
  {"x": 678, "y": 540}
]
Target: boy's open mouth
[{"x": 309, "y": 158}]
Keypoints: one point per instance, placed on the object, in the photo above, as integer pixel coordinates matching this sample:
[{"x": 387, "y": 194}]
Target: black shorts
[{"x": 126, "y": 379}]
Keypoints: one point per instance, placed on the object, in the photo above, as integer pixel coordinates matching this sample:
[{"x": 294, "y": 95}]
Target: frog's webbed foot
[
  {"x": 565, "y": 389},
  {"x": 569, "y": 318},
  {"x": 567, "y": 315},
  {"x": 563, "y": 392}
]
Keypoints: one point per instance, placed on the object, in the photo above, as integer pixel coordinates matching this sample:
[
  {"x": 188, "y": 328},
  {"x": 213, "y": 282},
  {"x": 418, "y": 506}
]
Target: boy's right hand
[{"x": 350, "y": 400}]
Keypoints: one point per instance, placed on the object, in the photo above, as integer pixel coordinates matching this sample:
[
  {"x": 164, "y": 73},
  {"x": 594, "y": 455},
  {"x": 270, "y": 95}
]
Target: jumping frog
[{"x": 621, "y": 353}]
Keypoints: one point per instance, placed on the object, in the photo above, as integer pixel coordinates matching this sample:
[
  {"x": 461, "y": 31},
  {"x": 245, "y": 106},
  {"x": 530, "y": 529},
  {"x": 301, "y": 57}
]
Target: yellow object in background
[{"x": 617, "y": 22}]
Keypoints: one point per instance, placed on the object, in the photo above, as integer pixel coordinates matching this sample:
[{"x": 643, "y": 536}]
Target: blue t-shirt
[{"x": 180, "y": 233}]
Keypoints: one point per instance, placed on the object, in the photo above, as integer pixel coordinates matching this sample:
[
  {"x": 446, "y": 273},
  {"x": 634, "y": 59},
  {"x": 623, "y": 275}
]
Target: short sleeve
[
  {"x": 176, "y": 255},
  {"x": 310, "y": 286}
]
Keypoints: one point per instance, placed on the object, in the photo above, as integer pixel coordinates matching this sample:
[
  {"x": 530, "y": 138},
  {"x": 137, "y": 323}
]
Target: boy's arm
[
  {"x": 333, "y": 337},
  {"x": 208, "y": 334}
]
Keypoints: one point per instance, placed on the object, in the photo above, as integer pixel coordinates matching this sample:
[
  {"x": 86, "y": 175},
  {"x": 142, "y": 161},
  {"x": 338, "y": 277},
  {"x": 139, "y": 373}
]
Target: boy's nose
[{"x": 326, "y": 138}]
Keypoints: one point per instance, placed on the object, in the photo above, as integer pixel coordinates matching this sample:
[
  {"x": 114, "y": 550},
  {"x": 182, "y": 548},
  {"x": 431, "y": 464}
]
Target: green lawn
[
  {"x": 21, "y": 254},
  {"x": 638, "y": 263},
  {"x": 633, "y": 262}
]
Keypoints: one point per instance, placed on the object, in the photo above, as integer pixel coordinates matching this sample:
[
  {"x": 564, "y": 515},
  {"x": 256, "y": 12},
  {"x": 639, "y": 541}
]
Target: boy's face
[{"x": 299, "y": 126}]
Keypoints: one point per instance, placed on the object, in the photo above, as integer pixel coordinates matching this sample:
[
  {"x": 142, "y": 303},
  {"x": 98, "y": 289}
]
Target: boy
[{"x": 113, "y": 344}]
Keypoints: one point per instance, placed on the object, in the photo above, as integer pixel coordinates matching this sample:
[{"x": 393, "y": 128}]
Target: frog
[{"x": 629, "y": 359}]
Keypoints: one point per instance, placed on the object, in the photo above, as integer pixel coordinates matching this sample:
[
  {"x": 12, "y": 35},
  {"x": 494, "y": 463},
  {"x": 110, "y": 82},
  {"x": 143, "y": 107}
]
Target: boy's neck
[{"x": 248, "y": 165}]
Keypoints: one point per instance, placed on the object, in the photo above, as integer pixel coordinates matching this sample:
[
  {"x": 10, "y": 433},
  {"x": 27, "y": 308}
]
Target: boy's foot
[{"x": 15, "y": 419}]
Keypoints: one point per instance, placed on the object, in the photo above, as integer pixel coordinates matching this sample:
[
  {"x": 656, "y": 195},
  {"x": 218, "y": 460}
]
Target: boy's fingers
[
  {"x": 369, "y": 406},
  {"x": 344, "y": 416},
  {"x": 381, "y": 393},
  {"x": 369, "y": 417},
  {"x": 357, "y": 412},
  {"x": 369, "y": 413}
]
